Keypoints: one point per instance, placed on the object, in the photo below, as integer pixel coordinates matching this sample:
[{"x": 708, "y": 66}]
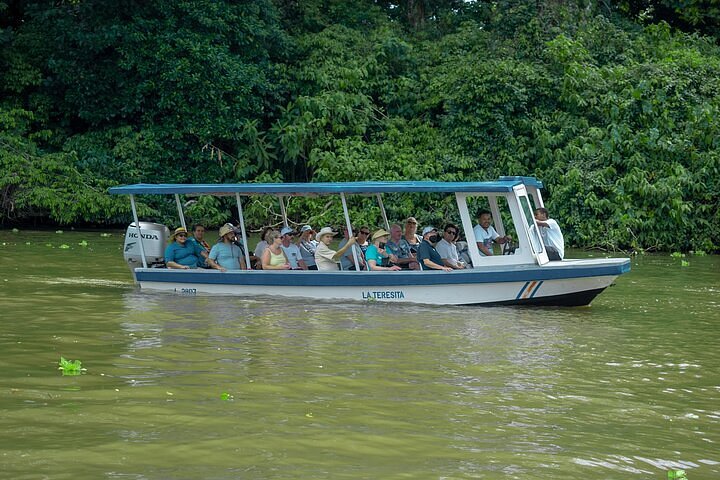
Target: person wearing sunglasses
[
  {"x": 448, "y": 249},
  {"x": 410, "y": 235},
  {"x": 361, "y": 244},
  {"x": 184, "y": 255}
]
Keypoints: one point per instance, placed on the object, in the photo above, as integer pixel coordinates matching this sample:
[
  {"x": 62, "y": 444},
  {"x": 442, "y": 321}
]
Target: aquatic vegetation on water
[
  {"x": 71, "y": 367},
  {"x": 64, "y": 246},
  {"x": 677, "y": 255},
  {"x": 226, "y": 396},
  {"x": 685, "y": 263},
  {"x": 676, "y": 475},
  {"x": 84, "y": 243}
]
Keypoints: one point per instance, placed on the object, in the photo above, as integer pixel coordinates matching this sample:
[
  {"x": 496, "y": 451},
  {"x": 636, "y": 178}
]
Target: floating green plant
[
  {"x": 106, "y": 234},
  {"x": 59, "y": 231},
  {"x": 685, "y": 263},
  {"x": 226, "y": 396},
  {"x": 677, "y": 255},
  {"x": 64, "y": 246},
  {"x": 699, "y": 253},
  {"x": 676, "y": 475},
  {"x": 83, "y": 243},
  {"x": 15, "y": 230},
  {"x": 70, "y": 367}
]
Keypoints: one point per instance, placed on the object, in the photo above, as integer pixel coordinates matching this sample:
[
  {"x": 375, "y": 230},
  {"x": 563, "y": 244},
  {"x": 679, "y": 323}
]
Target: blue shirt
[
  {"x": 227, "y": 256},
  {"x": 372, "y": 253},
  {"x": 188, "y": 254},
  {"x": 426, "y": 250},
  {"x": 401, "y": 249}
]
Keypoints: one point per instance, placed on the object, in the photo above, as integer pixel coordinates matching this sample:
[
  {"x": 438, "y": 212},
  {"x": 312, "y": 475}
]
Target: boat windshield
[{"x": 535, "y": 241}]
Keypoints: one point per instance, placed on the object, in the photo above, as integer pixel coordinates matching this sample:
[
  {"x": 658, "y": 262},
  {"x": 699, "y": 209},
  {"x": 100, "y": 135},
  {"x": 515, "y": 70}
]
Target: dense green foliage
[{"x": 613, "y": 105}]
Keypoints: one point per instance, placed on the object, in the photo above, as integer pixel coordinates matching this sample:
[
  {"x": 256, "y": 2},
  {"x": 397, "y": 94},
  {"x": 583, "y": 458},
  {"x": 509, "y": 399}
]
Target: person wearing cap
[
  {"x": 485, "y": 234},
  {"x": 225, "y": 255},
  {"x": 375, "y": 253},
  {"x": 307, "y": 245},
  {"x": 273, "y": 257},
  {"x": 428, "y": 257},
  {"x": 182, "y": 254},
  {"x": 292, "y": 251},
  {"x": 447, "y": 249},
  {"x": 325, "y": 257}
]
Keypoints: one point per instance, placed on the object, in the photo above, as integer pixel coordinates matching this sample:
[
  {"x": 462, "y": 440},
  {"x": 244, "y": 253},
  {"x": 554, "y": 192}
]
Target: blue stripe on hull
[{"x": 376, "y": 279}]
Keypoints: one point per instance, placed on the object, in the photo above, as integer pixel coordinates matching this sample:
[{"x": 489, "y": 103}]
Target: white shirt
[
  {"x": 324, "y": 258},
  {"x": 448, "y": 251},
  {"x": 485, "y": 237},
  {"x": 553, "y": 237}
]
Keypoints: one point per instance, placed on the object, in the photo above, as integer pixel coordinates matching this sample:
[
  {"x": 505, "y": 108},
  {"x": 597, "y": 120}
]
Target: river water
[{"x": 228, "y": 388}]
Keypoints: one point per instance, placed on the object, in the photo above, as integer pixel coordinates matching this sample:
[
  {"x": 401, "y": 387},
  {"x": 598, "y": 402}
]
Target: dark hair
[
  {"x": 484, "y": 212},
  {"x": 454, "y": 227},
  {"x": 198, "y": 225},
  {"x": 542, "y": 210}
]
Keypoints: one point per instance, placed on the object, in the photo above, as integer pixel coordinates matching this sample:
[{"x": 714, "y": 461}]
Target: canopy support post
[
  {"x": 283, "y": 212},
  {"x": 242, "y": 230},
  {"x": 461, "y": 199},
  {"x": 382, "y": 210},
  {"x": 349, "y": 229},
  {"x": 497, "y": 219},
  {"x": 139, "y": 233},
  {"x": 180, "y": 211}
]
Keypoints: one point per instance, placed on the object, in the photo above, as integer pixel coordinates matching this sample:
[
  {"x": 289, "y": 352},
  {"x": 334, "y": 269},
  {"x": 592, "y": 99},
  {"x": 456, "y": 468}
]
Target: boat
[{"x": 526, "y": 277}]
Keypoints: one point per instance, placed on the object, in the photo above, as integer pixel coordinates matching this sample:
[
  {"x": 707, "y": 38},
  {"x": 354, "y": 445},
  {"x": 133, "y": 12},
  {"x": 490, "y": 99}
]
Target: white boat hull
[{"x": 571, "y": 283}]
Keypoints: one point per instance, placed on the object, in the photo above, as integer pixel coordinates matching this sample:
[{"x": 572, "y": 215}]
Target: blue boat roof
[{"x": 505, "y": 184}]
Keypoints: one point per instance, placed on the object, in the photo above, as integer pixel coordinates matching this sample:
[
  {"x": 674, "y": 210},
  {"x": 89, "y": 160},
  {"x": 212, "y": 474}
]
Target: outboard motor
[{"x": 154, "y": 238}]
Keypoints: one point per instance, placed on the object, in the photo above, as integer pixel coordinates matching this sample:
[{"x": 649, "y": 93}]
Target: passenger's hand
[
  {"x": 395, "y": 268},
  {"x": 351, "y": 240},
  {"x": 286, "y": 266},
  {"x": 393, "y": 258},
  {"x": 447, "y": 269},
  {"x": 222, "y": 269}
]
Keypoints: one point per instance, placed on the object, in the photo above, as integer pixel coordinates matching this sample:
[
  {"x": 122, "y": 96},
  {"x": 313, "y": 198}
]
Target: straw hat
[
  {"x": 178, "y": 230},
  {"x": 324, "y": 231},
  {"x": 380, "y": 233},
  {"x": 225, "y": 229}
]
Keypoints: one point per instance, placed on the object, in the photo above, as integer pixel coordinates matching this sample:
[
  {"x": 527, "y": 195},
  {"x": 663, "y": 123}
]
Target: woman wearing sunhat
[
  {"x": 325, "y": 258},
  {"x": 182, "y": 254},
  {"x": 225, "y": 255},
  {"x": 375, "y": 253}
]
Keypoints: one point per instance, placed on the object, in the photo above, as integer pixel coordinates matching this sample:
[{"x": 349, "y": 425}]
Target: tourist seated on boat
[
  {"x": 410, "y": 235},
  {"x": 198, "y": 236},
  {"x": 261, "y": 246},
  {"x": 347, "y": 262},
  {"x": 399, "y": 247},
  {"x": 182, "y": 254},
  {"x": 292, "y": 251},
  {"x": 427, "y": 256},
  {"x": 551, "y": 235},
  {"x": 485, "y": 234},
  {"x": 376, "y": 255},
  {"x": 326, "y": 258},
  {"x": 274, "y": 257},
  {"x": 238, "y": 242},
  {"x": 225, "y": 254},
  {"x": 448, "y": 250},
  {"x": 308, "y": 245}
]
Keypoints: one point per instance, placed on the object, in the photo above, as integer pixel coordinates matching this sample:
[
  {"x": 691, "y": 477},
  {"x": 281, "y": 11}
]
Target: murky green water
[{"x": 627, "y": 388}]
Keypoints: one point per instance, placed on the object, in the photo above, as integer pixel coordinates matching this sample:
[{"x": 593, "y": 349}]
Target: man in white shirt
[
  {"x": 551, "y": 235},
  {"x": 485, "y": 234},
  {"x": 291, "y": 250},
  {"x": 447, "y": 248}
]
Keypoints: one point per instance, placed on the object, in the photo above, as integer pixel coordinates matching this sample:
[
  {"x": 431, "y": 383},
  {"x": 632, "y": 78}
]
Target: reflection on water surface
[{"x": 625, "y": 388}]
